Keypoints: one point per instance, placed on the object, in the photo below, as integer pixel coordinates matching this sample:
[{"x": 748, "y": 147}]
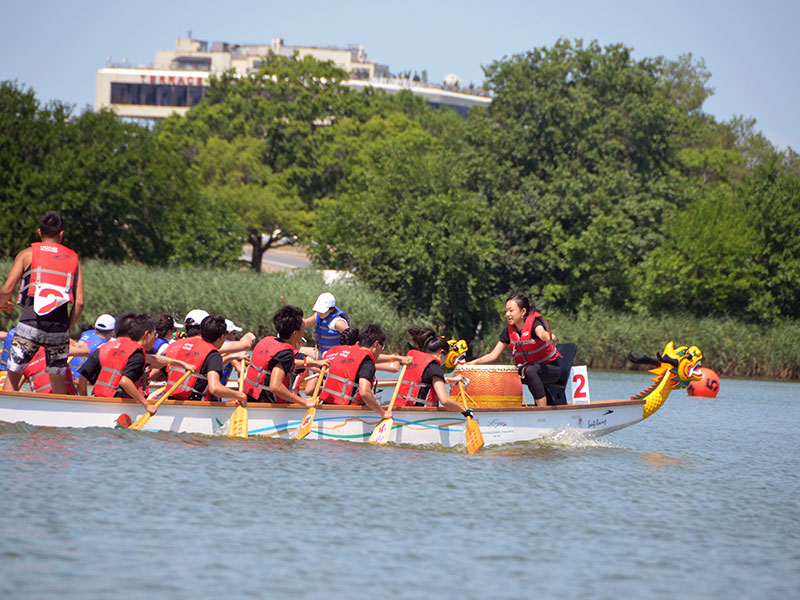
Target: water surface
[{"x": 699, "y": 501}]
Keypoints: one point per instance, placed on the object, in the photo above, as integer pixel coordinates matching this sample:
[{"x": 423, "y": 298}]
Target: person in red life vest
[
  {"x": 423, "y": 383},
  {"x": 352, "y": 371},
  {"x": 39, "y": 379},
  {"x": 49, "y": 277},
  {"x": 203, "y": 353},
  {"x": 531, "y": 346},
  {"x": 117, "y": 368},
  {"x": 267, "y": 376}
]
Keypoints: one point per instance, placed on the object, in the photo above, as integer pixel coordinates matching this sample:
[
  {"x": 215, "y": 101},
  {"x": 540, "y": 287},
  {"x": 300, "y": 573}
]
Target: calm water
[{"x": 699, "y": 501}]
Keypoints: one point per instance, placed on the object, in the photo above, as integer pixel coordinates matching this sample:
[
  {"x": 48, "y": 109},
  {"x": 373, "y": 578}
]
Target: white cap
[
  {"x": 105, "y": 323},
  {"x": 324, "y": 302},
  {"x": 195, "y": 317},
  {"x": 231, "y": 326}
]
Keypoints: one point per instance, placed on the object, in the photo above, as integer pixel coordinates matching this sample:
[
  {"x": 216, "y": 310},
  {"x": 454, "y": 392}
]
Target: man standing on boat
[{"x": 50, "y": 278}]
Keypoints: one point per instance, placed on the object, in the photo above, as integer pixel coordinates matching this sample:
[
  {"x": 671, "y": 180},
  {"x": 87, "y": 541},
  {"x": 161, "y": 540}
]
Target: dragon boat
[{"x": 501, "y": 416}]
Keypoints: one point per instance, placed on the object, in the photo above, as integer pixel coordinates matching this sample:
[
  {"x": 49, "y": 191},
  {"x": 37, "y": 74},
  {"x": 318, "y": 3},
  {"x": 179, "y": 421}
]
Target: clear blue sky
[{"x": 751, "y": 47}]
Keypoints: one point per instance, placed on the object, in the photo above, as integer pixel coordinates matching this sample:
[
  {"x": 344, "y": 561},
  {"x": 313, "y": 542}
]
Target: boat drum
[{"x": 490, "y": 386}]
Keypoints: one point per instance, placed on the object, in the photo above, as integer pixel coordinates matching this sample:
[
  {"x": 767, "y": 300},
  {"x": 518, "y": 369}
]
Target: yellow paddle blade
[
  {"x": 380, "y": 435},
  {"x": 474, "y": 436},
  {"x": 140, "y": 422},
  {"x": 238, "y": 424},
  {"x": 306, "y": 423},
  {"x": 308, "y": 419}
]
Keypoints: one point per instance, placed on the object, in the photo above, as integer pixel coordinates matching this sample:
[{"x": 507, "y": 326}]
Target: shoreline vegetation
[{"x": 732, "y": 348}]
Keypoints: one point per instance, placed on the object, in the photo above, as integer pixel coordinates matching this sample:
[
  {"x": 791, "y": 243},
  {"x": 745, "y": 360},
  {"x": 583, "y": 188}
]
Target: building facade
[{"x": 179, "y": 78}]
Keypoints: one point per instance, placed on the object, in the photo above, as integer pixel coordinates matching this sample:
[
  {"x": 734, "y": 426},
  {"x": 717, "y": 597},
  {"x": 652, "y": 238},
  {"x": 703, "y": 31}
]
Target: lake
[{"x": 699, "y": 501}]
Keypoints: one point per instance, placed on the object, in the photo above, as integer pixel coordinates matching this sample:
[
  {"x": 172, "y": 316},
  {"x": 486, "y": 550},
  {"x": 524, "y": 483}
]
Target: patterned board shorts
[{"x": 26, "y": 343}]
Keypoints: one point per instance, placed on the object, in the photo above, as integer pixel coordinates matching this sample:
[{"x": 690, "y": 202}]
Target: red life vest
[
  {"x": 411, "y": 387},
  {"x": 113, "y": 357},
  {"x": 193, "y": 350},
  {"x": 51, "y": 277},
  {"x": 341, "y": 384},
  {"x": 39, "y": 379},
  {"x": 256, "y": 377},
  {"x": 528, "y": 349}
]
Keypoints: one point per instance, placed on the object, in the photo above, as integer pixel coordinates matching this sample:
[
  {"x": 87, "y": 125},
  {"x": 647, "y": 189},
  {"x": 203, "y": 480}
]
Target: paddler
[
  {"x": 93, "y": 338},
  {"x": 423, "y": 382},
  {"x": 531, "y": 346},
  {"x": 117, "y": 368},
  {"x": 267, "y": 377},
  {"x": 202, "y": 351},
  {"x": 352, "y": 371},
  {"x": 50, "y": 277}
]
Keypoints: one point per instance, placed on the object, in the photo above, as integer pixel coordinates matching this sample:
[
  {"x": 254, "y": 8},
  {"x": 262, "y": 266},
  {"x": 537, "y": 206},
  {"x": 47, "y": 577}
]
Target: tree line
[{"x": 593, "y": 181}]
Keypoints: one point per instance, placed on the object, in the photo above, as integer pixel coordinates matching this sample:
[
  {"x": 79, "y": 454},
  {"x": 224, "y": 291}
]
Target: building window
[{"x": 157, "y": 95}]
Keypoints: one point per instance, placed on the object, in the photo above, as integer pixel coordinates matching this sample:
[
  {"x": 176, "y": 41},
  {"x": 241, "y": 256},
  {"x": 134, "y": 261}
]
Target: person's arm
[
  {"x": 491, "y": 356},
  {"x": 160, "y": 361},
  {"x": 279, "y": 389},
  {"x": 216, "y": 388},
  {"x": 17, "y": 269},
  {"x": 340, "y": 325},
  {"x": 444, "y": 398},
  {"x": 127, "y": 386},
  {"x": 309, "y": 321},
  {"x": 540, "y": 332},
  {"x": 246, "y": 343},
  {"x": 77, "y": 305},
  {"x": 79, "y": 349},
  {"x": 365, "y": 391},
  {"x": 83, "y": 385}
]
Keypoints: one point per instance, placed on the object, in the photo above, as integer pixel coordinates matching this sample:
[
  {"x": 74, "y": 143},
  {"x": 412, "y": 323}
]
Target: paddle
[
  {"x": 380, "y": 435},
  {"x": 308, "y": 420},
  {"x": 142, "y": 421},
  {"x": 238, "y": 425},
  {"x": 473, "y": 431}
]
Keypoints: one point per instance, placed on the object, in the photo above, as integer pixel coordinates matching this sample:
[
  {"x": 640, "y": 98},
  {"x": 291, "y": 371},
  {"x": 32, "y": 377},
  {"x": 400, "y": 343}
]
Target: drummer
[{"x": 531, "y": 346}]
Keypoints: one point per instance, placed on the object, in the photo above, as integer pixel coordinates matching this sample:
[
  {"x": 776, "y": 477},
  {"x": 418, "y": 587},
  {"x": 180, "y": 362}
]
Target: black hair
[
  {"x": 139, "y": 325},
  {"x": 51, "y": 223},
  {"x": 287, "y": 319},
  {"x": 426, "y": 340},
  {"x": 165, "y": 324},
  {"x": 523, "y": 303},
  {"x": 212, "y": 327},
  {"x": 123, "y": 326},
  {"x": 349, "y": 337},
  {"x": 371, "y": 333}
]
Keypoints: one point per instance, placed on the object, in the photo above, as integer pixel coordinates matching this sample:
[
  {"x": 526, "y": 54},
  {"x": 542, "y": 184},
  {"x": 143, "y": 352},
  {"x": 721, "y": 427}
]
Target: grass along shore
[{"x": 731, "y": 348}]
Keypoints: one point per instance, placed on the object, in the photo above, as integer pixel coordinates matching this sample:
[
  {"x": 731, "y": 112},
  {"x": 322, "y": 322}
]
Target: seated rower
[
  {"x": 165, "y": 328},
  {"x": 117, "y": 368},
  {"x": 423, "y": 382},
  {"x": 531, "y": 346},
  {"x": 267, "y": 377},
  {"x": 39, "y": 378},
  {"x": 92, "y": 338},
  {"x": 352, "y": 371},
  {"x": 202, "y": 352}
]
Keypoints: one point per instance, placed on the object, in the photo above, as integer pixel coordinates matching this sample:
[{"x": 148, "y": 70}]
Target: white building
[{"x": 179, "y": 78}]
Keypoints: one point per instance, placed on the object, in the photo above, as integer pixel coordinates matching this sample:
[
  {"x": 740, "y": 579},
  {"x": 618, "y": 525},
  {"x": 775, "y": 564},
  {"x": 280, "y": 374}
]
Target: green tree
[
  {"x": 403, "y": 223},
  {"x": 578, "y": 158},
  {"x": 253, "y": 143}
]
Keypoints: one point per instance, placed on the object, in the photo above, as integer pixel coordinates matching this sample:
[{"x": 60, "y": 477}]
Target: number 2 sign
[{"x": 578, "y": 385}]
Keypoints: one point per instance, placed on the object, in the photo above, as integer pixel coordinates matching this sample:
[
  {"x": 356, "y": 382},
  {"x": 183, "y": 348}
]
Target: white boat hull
[{"x": 414, "y": 426}]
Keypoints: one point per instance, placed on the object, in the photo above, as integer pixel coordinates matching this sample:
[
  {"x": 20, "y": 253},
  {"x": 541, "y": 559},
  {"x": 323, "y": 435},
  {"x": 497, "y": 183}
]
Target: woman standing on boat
[
  {"x": 531, "y": 346},
  {"x": 423, "y": 383}
]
